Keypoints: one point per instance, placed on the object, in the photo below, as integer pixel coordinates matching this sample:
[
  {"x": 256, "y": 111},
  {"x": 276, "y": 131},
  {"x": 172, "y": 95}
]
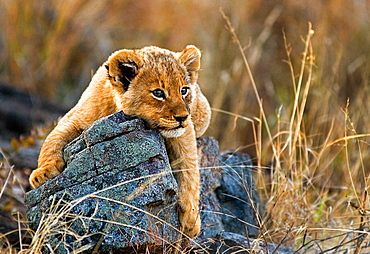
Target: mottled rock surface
[
  {"x": 104, "y": 196},
  {"x": 117, "y": 194},
  {"x": 229, "y": 201},
  {"x": 237, "y": 195},
  {"x": 232, "y": 243}
]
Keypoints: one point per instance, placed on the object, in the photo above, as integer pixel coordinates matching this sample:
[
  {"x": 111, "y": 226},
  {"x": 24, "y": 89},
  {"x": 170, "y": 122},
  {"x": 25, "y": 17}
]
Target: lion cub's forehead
[
  {"x": 163, "y": 63},
  {"x": 154, "y": 56}
]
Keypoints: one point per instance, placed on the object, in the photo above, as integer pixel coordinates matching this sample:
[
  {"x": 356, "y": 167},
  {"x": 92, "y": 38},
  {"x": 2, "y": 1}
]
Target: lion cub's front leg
[
  {"x": 50, "y": 162},
  {"x": 183, "y": 153}
]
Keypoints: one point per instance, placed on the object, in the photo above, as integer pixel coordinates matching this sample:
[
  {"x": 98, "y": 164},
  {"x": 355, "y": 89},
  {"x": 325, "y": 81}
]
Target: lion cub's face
[{"x": 157, "y": 85}]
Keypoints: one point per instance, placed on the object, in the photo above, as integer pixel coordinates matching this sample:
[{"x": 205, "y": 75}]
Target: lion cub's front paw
[
  {"x": 190, "y": 222},
  {"x": 41, "y": 175}
]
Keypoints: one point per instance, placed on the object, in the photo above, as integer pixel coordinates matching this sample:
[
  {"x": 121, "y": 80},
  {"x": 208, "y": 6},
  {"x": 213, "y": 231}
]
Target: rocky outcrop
[
  {"x": 104, "y": 199},
  {"x": 117, "y": 194},
  {"x": 239, "y": 201},
  {"x": 229, "y": 200}
]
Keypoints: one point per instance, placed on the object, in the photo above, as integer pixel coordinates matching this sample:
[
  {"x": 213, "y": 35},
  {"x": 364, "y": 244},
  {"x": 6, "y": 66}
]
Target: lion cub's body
[{"x": 157, "y": 85}]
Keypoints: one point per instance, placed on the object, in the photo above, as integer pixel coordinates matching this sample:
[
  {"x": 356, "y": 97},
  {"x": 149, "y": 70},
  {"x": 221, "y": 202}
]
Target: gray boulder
[
  {"x": 229, "y": 200},
  {"x": 210, "y": 178},
  {"x": 239, "y": 201},
  {"x": 117, "y": 194},
  {"x": 104, "y": 199}
]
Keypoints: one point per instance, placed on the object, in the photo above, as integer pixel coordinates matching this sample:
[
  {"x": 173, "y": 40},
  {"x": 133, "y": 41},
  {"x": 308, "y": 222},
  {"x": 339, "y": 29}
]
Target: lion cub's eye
[
  {"x": 159, "y": 94},
  {"x": 184, "y": 91}
]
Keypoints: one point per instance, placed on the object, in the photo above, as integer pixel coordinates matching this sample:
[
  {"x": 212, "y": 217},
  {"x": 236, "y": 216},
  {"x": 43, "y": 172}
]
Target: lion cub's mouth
[
  {"x": 171, "y": 129},
  {"x": 173, "y": 133}
]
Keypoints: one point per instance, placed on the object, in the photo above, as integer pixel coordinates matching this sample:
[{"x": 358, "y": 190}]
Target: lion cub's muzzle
[{"x": 176, "y": 129}]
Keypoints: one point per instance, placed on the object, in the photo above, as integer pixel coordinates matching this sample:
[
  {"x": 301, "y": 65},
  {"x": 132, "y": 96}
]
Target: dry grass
[
  {"x": 306, "y": 209},
  {"x": 296, "y": 101}
]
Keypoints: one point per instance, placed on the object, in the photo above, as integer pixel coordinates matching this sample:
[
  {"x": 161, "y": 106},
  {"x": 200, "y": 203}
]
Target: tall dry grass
[
  {"x": 301, "y": 111},
  {"x": 316, "y": 187}
]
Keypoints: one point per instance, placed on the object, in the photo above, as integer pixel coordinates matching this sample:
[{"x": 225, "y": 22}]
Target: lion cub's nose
[{"x": 180, "y": 118}]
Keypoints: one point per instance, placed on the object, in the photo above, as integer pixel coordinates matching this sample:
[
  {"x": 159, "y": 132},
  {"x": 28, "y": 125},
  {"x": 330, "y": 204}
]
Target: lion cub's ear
[
  {"x": 190, "y": 57},
  {"x": 123, "y": 67}
]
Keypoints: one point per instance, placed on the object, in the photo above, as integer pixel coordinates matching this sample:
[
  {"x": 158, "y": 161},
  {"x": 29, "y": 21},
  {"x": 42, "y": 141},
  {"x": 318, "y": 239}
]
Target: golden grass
[
  {"x": 297, "y": 104},
  {"x": 305, "y": 208}
]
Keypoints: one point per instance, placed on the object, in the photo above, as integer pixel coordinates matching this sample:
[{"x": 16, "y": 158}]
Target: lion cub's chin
[{"x": 174, "y": 133}]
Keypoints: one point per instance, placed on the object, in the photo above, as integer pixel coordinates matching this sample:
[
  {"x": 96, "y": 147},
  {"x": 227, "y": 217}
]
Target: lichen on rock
[{"x": 117, "y": 194}]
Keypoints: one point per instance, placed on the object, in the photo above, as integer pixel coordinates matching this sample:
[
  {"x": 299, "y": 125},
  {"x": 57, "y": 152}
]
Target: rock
[
  {"x": 229, "y": 200},
  {"x": 104, "y": 199},
  {"x": 210, "y": 176},
  {"x": 229, "y": 243},
  {"x": 239, "y": 201},
  {"x": 117, "y": 194}
]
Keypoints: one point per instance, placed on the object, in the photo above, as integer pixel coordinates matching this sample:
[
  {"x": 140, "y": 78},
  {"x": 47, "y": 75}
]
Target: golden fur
[{"x": 157, "y": 85}]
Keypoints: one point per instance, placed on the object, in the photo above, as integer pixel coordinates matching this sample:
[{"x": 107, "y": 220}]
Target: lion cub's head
[{"x": 157, "y": 85}]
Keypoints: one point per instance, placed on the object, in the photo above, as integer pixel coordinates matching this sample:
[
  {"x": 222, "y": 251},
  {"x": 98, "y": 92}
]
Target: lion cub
[{"x": 157, "y": 85}]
